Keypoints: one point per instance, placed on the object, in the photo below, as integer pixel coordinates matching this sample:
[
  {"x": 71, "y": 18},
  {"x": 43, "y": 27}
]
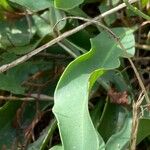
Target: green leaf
[
  {"x": 9, "y": 82},
  {"x": 127, "y": 39},
  {"x": 15, "y": 34},
  {"x": 67, "y": 4},
  {"x": 48, "y": 19},
  {"x": 71, "y": 95},
  {"x": 110, "y": 18},
  {"x": 12, "y": 80},
  {"x": 77, "y": 11},
  {"x": 34, "y": 5},
  {"x": 143, "y": 129},
  {"x": 120, "y": 140}
]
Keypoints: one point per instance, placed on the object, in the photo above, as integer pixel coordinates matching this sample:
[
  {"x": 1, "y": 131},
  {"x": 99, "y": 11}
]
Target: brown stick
[{"x": 32, "y": 97}]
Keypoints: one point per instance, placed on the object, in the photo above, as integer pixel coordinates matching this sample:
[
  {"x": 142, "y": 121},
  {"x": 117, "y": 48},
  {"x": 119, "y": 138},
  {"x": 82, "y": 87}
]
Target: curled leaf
[{"x": 71, "y": 95}]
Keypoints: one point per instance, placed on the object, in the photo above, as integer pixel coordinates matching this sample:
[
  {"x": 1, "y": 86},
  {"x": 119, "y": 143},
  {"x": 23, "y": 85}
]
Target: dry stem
[{"x": 135, "y": 121}]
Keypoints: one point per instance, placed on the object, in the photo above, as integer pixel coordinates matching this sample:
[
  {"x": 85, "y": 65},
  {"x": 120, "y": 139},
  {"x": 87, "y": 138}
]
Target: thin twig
[
  {"x": 140, "y": 81},
  {"x": 32, "y": 97},
  {"x": 59, "y": 38}
]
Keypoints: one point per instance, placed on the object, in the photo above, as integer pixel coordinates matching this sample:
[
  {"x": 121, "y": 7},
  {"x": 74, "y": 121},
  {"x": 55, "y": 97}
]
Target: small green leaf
[
  {"x": 67, "y": 4},
  {"x": 34, "y": 5}
]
